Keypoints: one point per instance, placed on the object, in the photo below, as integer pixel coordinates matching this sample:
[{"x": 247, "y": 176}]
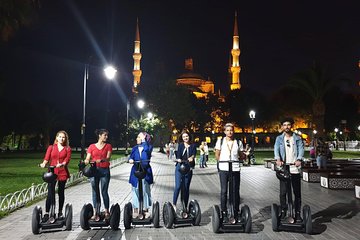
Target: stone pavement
[{"x": 335, "y": 213}]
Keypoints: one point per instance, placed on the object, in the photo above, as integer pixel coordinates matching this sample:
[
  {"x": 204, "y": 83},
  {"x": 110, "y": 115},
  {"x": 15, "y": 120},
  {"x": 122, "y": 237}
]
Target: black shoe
[
  {"x": 298, "y": 217},
  {"x": 225, "y": 217},
  {"x": 283, "y": 214},
  {"x": 60, "y": 215},
  {"x": 45, "y": 217}
]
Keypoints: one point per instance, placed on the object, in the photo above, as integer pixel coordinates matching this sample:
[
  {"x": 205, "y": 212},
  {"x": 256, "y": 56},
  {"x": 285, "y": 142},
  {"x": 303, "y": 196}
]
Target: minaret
[
  {"x": 235, "y": 52},
  {"x": 137, "y": 57}
]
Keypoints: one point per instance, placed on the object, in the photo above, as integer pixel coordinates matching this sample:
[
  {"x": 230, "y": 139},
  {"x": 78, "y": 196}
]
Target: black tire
[
  {"x": 275, "y": 217},
  {"x": 115, "y": 217},
  {"x": 216, "y": 220},
  {"x": 35, "y": 221},
  {"x": 307, "y": 219},
  {"x": 85, "y": 214},
  {"x": 246, "y": 215},
  {"x": 168, "y": 215},
  {"x": 195, "y": 212},
  {"x": 127, "y": 215},
  {"x": 156, "y": 214},
  {"x": 68, "y": 217}
]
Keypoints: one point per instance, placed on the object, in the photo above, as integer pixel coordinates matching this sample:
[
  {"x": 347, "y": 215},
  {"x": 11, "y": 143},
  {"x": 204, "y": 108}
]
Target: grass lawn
[{"x": 20, "y": 169}]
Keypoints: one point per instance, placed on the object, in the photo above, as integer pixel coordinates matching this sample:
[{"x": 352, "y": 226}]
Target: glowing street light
[
  {"x": 140, "y": 104},
  {"x": 252, "y": 156},
  {"x": 110, "y": 73}
]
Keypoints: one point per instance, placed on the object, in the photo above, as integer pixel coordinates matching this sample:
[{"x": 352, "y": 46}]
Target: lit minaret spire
[
  {"x": 235, "y": 52},
  {"x": 137, "y": 57}
]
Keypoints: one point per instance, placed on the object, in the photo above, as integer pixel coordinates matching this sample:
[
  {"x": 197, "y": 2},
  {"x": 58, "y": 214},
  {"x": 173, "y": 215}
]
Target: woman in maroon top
[
  {"x": 100, "y": 153},
  {"x": 58, "y": 155}
]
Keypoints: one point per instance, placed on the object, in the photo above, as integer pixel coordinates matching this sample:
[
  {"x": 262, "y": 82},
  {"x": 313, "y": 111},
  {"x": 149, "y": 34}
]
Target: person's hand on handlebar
[
  {"x": 42, "y": 165},
  {"x": 86, "y": 161},
  {"x": 191, "y": 159},
  {"x": 59, "y": 165},
  {"x": 279, "y": 163},
  {"x": 131, "y": 161}
]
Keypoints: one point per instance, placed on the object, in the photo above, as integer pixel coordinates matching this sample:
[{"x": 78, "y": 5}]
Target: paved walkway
[{"x": 335, "y": 213}]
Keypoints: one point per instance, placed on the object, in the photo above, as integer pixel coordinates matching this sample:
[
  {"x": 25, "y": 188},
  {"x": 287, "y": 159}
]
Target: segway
[
  {"x": 237, "y": 222},
  {"x": 86, "y": 221},
  {"x": 40, "y": 222},
  {"x": 154, "y": 218},
  {"x": 288, "y": 223},
  {"x": 189, "y": 215}
]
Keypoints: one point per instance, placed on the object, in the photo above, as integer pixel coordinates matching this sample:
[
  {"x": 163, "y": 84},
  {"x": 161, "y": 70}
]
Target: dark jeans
[
  {"x": 51, "y": 193},
  {"x": 296, "y": 187},
  {"x": 224, "y": 185},
  {"x": 103, "y": 178},
  {"x": 179, "y": 179}
]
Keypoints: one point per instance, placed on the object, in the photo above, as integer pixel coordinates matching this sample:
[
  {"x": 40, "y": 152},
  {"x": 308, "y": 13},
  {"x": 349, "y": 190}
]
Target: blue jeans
[
  {"x": 146, "y": 195},
  {"x": 102, "y": 177},
  {"x": 321, "y": 161},
  {"x": 202, "y": 161},
  {"x": 182, "y": 179}
]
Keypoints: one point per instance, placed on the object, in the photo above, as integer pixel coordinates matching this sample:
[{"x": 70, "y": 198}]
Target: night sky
[{"x": 277, "y": 39}]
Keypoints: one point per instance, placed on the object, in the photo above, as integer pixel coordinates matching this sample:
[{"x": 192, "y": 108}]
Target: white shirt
[
  {"x": 229, "y": 151},
  {"x": 289, "y": 154}
]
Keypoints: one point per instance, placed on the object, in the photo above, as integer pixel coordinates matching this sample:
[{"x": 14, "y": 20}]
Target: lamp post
[
  {"x": 252, "y": 156},
  {"x": 140, "y": 103},
  {"x": 336, "y": 139},
  {"x": 110, "y": 73}
]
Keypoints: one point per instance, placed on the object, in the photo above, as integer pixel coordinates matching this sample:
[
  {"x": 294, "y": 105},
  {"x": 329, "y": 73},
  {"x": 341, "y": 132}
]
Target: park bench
[
  {"x": 343, "y": 179},
  {"x": 357, "y": 189}
]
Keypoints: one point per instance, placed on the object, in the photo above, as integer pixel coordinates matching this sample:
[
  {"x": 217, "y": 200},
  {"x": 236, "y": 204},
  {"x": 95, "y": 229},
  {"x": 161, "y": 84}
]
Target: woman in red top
[
  {"x": 100, "y": 153},
  {"x": 58, "y": 155}
]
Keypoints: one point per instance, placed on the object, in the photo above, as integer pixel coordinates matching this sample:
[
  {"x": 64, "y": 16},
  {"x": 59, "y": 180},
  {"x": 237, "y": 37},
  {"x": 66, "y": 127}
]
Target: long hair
[
  {"x": 101, "y": 131},
  {"x": 66, "y": 143}
]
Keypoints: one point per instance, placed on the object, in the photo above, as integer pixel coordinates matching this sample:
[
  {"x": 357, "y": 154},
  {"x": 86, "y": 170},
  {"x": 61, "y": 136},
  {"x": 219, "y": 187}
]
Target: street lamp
[
  {"x": 140, "y": 103},
  {"x": 110, "y": 73},
  {"x": 252, "y": 156},
  {"x": 336, "y": 138}
]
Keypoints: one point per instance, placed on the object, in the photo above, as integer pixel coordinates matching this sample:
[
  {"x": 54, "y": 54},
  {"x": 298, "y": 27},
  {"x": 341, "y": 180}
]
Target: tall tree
[
  {"x": 315, "y": 83},
  {"x": 14, "y": 14}
]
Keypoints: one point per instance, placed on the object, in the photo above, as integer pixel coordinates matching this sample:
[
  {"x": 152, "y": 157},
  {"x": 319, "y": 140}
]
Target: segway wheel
[
  {"x": 307, "y": 219},
  {"x": 85, "y": 214},
  {"x": 168, "y": 215},
  {"x": 246, "y": 215},
  {"x": 68, "y": 217},
  {"x": 195, "y": 211},
  {"x": 156, "y": 214},
  {"x": 216, "y": 220},
  {"x": 275, "y": 217},
  {"x": 115, "y": 216},
  {"x": 35, "y": 223},
  {"x": 127, "y": 215}
]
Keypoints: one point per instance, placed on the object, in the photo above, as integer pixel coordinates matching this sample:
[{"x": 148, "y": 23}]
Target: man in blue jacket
[{"x": 289, "y": 150}]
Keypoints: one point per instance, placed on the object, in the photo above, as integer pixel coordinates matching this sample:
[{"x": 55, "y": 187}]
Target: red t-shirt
[
  {"x": 98, "y": 154},
  {"x": 54, "y": 156}
]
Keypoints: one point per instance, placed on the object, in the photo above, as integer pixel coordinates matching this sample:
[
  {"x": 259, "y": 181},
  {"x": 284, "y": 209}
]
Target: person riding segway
[
  {"x": 98, "y": 171},
  {"x": 289, "y": 152},
  {"x": 140, "y": 178},
  {"x": 57, "y": 158},
  {"x": 190, "y": 213},
  {"x": 228, "y": 217}
]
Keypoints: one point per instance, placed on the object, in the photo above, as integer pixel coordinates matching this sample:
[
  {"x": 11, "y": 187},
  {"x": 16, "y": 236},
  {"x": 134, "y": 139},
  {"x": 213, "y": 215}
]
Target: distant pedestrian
[
  {"x": 322, "y": 153},
  {"x": 206, "y": 151}
]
